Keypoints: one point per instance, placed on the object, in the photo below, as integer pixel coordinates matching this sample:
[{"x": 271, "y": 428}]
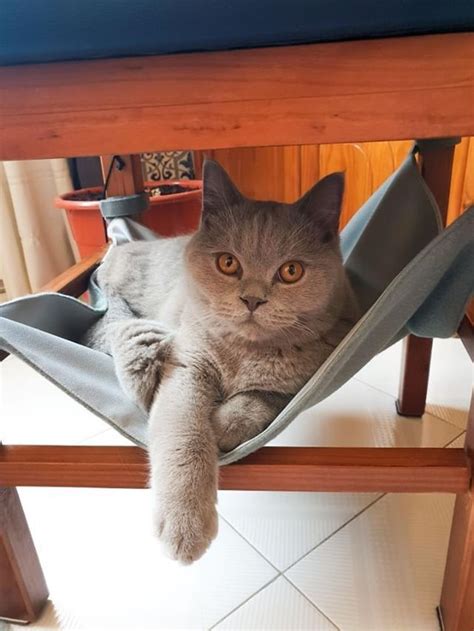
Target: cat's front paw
[
  {"x": 139, "y": 349},
  {"x": 231, "y": 434},
  {"x": 233, "y": 424},
  {"x": 187, "y": 533}
]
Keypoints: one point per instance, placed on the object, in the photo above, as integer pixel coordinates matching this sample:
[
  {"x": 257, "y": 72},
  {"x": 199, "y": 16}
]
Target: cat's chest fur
[
  {"x": 284, "y": 373},
  {"x": 243, "y": 368}
]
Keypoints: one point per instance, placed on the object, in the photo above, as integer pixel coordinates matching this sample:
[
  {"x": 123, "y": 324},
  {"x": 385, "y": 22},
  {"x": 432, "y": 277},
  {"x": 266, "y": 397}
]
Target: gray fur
[{"x": 187, "y": 348}]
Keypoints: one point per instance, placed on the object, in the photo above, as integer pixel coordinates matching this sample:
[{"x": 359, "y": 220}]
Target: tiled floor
[{"x": 282, "y": 560}]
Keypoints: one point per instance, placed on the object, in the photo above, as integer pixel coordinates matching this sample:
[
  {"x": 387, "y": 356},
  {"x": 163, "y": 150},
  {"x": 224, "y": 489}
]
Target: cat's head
[{"x": 267, "y": 270}]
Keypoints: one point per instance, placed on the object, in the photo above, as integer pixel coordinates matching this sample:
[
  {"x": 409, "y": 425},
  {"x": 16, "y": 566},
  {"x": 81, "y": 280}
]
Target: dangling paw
[{"x": 186, "y": 530}]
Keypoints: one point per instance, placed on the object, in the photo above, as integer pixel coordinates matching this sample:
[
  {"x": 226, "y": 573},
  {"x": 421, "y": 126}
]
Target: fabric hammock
[{"x": 409, "y": 276}]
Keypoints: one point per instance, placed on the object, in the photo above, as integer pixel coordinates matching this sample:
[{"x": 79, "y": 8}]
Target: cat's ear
[
  {"x": 219, "y": 192},
  {"x": 323, "y": 204}
]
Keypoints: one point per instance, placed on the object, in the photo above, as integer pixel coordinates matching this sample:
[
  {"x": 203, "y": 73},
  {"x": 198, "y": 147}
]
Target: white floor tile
[
  {"x": 285, "y": 526},
  {"x": 450, "y": 383},
  {"x": 50, "y": 621},
  {"x": 384, "y": 569},
  {"x": 106, "y": 572},
  {"x": 34, "y": 411},
  {"x": 459, "y": 442},
  {"x": 383, "y": 371},
  {"x": 358, "y": 415},
  {"x": 276, "y": 608}
]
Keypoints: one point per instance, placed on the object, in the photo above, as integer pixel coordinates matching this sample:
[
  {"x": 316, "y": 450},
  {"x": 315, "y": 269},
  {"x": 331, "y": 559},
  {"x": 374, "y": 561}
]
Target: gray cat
[{"x": 213, "y": 334}]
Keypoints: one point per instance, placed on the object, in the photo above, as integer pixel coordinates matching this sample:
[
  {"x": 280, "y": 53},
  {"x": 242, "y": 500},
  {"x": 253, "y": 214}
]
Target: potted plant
[{"x": 175, "y": 208}]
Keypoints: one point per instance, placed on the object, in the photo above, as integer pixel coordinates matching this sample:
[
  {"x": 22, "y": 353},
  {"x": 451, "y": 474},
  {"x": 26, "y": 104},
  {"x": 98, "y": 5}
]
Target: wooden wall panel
[
  {"x": 285, "y": 173},
  {"x": 468, "y": 192},
  {"x": 366, "y": 166},
  {"x": 462, "y": 183},
  {"x": 458, "y": 179},
  {"x": 261, "y": 172},
  {"x": 310, "y": 165}
]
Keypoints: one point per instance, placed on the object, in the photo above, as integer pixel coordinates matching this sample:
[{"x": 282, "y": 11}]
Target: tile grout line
[
  {"x": 445, "y": 446},
  {"x": 306, "y": 597},
  {"x": 454, "y": 439},
  {"x": 260, "y": 589},
  {"x": 279, "y": 574},
  {"x": 261, "y": 555},
  {"x": 320, "y": 543},
  {"x": 366, "y": 508},
  {"x": 295, "y": 587},
  {"x": 94, "y": 435},
  {"x": 250, "y": 543},
  {"x": 282, "y": 572},
  {"x": 441, "y": 418},
  {"x": 389, "y": 394}
]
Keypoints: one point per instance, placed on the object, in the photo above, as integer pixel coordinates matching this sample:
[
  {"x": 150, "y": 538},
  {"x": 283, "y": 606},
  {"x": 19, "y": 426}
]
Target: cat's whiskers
[{"x": 299, "y": 326}]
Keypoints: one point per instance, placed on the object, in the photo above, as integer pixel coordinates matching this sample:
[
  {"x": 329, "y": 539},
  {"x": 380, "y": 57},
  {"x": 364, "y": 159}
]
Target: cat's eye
[
  {"x": 228, "y": 264},
  {"x": 291, "y": 272}
]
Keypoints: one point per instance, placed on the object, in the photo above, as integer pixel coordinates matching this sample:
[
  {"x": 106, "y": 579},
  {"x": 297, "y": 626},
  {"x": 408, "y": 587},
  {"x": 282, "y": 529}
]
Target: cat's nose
[{"x": 252, "y": 302}]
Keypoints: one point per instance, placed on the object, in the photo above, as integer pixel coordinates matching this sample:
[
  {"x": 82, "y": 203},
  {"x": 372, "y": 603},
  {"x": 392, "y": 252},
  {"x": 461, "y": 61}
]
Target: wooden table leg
[
  {"x": 23, "y": 589},
  {"x": 436, "y": 167},
  {"x": 457, "y": 597}
]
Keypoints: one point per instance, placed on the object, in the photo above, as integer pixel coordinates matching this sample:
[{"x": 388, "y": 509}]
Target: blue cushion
[{"x": 33, "y": 31}]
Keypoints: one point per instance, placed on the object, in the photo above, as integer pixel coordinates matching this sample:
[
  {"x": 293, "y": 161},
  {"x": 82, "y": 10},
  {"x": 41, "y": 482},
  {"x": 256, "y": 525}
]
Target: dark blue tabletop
[{"x": 33, "y": 31}]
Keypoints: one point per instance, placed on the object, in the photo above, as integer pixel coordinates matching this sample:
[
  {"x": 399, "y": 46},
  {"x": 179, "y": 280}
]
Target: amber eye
[
  {"x": 228, "y": 264},
  {"x": 291, "y": 272}
]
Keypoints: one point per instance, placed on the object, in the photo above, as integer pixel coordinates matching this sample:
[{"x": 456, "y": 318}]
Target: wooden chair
[{"x": 415, "y": 87}]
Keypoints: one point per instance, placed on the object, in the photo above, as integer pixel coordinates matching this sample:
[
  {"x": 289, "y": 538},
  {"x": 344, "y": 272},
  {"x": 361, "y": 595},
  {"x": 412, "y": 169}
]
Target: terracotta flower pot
[{"x": 168, "y": 215}]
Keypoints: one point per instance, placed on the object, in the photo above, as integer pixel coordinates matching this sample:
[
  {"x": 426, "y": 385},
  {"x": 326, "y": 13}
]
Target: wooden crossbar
[
  {"x": 75, "y": 280},
  {"x": 397, "y": 88},
  {"x": 271, "y": 468}
]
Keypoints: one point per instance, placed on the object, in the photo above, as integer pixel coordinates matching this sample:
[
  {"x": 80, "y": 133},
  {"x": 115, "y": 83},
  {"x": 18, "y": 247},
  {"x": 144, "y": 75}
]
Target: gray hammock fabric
[{"x": 409, "y": 275}]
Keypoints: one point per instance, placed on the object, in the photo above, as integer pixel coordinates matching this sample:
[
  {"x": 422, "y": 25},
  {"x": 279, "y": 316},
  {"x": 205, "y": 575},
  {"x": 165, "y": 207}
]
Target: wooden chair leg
[
  {"x": 23, "y": 590},
  {"x": 416, "y": 359},
  {"x": 436, "y": 168},
  {"x": 457, "y": 597}
]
